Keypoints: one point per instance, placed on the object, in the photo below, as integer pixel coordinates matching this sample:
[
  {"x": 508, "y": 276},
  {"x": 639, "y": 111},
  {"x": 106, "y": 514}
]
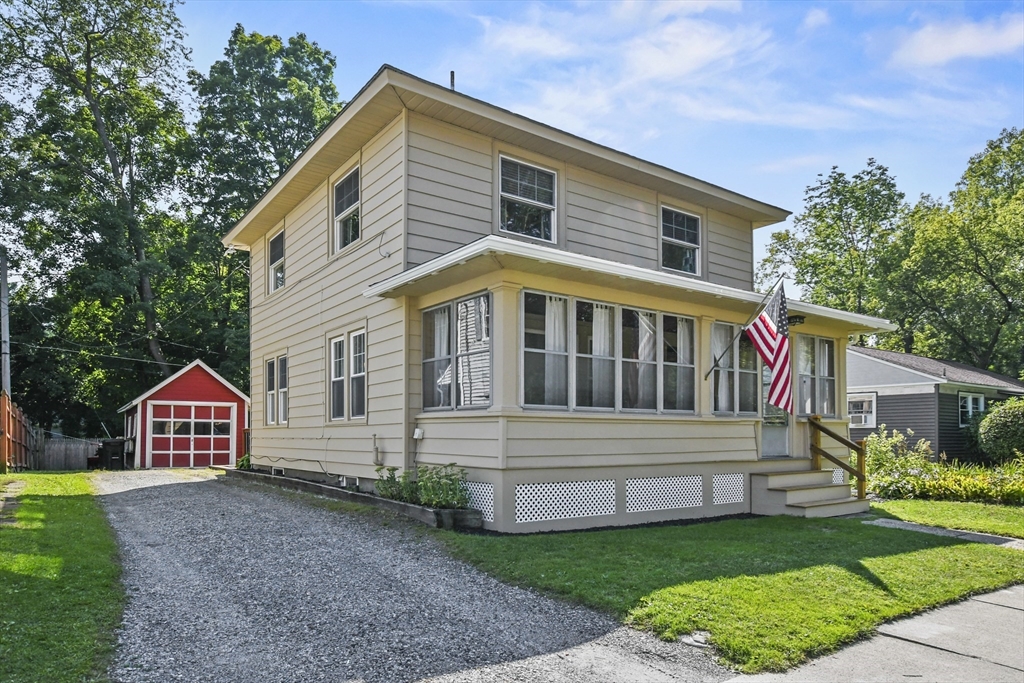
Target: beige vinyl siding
[
  {"x": 571, "y": 441},
  {"x": 450, "y": 189},
  {"x": 322, "y": 299},
  {"x": 610, "y": 219},
  {"x": 730, "y": 248},
  {"x": 470, "y": 440}
]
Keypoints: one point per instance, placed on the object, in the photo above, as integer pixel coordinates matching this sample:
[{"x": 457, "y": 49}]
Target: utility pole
[{"x": 5, "y": 323}]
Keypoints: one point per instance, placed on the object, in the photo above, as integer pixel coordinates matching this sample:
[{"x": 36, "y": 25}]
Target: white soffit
[{"x": 466, "y": 262}]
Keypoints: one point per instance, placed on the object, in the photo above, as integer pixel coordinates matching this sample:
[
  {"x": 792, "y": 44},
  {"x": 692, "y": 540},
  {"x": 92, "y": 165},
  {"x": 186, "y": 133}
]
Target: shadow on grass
[{"x": 59, "y": 584}]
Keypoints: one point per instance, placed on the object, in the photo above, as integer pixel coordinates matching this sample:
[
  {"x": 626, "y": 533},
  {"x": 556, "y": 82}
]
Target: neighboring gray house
[
  {"x": 934, "y": 398},
  {"x": 438, "y": 280}
]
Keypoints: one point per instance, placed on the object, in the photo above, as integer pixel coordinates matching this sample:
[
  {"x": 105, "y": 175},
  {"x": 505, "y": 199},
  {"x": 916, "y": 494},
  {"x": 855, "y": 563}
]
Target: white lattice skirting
[
  {"x": 564, "y": 500},
  {"x": 838, "y": 476},
  {"x": 727, "y": 488},
  {"x": 664, "y": 493},
  {"x": 481, "y": 497}
]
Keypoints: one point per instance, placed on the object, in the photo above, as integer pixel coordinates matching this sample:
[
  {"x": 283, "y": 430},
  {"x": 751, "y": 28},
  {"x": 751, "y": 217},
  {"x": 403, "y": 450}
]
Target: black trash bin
[{"x": 112, "y": 454}]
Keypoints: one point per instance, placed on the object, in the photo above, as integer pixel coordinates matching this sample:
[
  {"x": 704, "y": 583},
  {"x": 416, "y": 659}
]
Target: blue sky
[{"x": 757, "y": 97}]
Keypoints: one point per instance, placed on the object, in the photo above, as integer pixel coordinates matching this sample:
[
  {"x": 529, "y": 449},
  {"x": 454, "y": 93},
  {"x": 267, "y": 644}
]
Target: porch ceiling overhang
[
  {"x": 390, "y": 91},
  {"x": 493, "y": 253}
]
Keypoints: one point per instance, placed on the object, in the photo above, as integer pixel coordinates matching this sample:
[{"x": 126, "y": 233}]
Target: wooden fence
[
  {"x": 64, "y": 454},
  {"x": 18, "y": 438}
]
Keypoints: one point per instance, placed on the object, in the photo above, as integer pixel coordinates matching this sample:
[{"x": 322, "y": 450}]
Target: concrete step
[
  {"x": 813, "y": 492},
  {"x": 793, "y": 478},
  {"x": 831, "y": 508}
]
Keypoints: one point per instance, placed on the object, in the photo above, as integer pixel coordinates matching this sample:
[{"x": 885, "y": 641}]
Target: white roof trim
[
  {"x": 178, "y": 374},
  {"x": 493, "y": 244}
]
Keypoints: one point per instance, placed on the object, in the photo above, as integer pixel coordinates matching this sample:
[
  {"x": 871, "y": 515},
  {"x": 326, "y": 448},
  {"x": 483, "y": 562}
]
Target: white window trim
[
  {"x": 352, "y": 374},
  {"x": 736, "y": 372},
  {"x": 272, "y": 266},
  {"x": 331, "y": 379},
  {"x": 273, "y": 397},
  {"x": 960, "y": 395},
  {"x": 336, "y": 246},
  {"x": 517, "y": 198},
  {"x": 795, "y": 350},
  {"x": 873, "y": 397},
  {"x": 617, "y": 336},
  {"x": 662, "y": 239},
  {"x": 453, "y": 354}
]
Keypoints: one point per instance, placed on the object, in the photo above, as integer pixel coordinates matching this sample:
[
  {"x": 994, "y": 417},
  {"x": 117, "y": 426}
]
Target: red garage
[{"x": 194, "y": 418}]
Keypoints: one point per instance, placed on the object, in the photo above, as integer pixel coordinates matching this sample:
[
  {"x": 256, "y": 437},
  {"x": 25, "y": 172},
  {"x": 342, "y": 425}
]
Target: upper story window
[
  {"x": 861, "y": 408},
  {"x": 346, "y": 211},
  {"x": 816, "y": 370},
  {"x": 735, "y": 387},
  {"x": 970, "y": 405},
  {"x": 527, "y": 200},
  {"x": 457, "y": 361},
  {"x": 275, "y": 261},
  {"x": 680, "y": 241}
]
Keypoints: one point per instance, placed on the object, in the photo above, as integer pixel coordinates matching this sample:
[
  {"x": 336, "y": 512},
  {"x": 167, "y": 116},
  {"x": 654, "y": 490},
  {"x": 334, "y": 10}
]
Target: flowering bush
[{"x": 897, "y": 470}]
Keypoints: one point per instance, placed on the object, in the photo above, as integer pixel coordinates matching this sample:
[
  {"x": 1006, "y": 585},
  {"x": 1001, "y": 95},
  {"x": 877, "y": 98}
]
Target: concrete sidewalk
[{"x": 979, "y": 640}]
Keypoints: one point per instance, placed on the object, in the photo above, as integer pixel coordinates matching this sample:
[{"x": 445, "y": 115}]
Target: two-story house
[{"x": 438, "y": 280}]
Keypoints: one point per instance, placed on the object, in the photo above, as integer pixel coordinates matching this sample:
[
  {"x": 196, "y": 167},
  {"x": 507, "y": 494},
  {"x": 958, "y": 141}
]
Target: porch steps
[{"x": 804, "y": 493}]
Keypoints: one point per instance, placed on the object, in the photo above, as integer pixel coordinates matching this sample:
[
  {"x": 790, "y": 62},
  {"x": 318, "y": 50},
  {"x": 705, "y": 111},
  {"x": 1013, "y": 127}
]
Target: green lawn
[
  {"x": 1002, "y": 520},
  {"x": 772, "y": 591},
  {"x": 60, "y": 593}
]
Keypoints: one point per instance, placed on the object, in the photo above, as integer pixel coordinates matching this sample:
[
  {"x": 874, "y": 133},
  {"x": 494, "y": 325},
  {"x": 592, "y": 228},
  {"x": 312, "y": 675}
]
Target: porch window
[
  {"x": 816, "y": 370},
  {"x": 346, "y": 211},
  {"x": 527, "y": 200},
  {"x": 678, "y": 371},
  {"x": 736, "y": 386},
  {"x": 545, "y": 351},
  {"x": 861, "y": 408},
  {"x": 680, "y": 241},
  {"x": 357, "y": 374},
  {"x": 595, "y": 355},
  {"x": 275, "y": 262},
  {"x": 970, "y": 405},
  {"x": 338, "y": 378},
  {"x": 639, "y": 360},
  {"x": 458, "y": 358}
]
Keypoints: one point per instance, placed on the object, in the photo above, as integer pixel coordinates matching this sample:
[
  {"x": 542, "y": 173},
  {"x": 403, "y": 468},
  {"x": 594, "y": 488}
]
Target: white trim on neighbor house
[
  {"x": 497, "y": 245},
  {"x": 870, "y": 419},
  {"x": 179, "y": 373},
  {"x": 935, "y": 378},
  {"x": 970, "y": 396},
  {"x": 893, "y": 389}
]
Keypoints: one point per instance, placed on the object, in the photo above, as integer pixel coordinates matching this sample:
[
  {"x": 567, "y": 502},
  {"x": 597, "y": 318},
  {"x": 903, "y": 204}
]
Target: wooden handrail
[{"x": 817, "y": 453}]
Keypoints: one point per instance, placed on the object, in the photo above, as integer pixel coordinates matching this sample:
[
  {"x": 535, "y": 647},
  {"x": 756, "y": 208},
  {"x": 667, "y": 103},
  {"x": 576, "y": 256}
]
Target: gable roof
[
  {"x": 391, "y": 91},
  {"x": 942, "y": 370},
  {"x": 196, "y": 363}
]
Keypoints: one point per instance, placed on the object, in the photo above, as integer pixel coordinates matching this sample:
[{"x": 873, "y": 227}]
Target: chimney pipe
[{"x": 453, "y": 80}]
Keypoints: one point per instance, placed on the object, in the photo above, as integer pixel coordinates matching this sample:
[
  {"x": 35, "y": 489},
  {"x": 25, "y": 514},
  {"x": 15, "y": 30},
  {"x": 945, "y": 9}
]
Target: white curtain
[
  {"x": 442, "y": 333},
  {"x": 603, "y": 337},
  {"x": 721, "y": 349},
  {"x": 684, "y": 341},
  {"x": 555, "y": 339},
  {"x": 604, "y": 345},
  {"x": 647, "y": 351}
]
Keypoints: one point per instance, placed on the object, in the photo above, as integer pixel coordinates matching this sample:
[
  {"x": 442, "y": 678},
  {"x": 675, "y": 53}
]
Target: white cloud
[
  {"x": 814, "y": 19},
  {"x": 525, "y": 40},
  {"x": 938, "y": 44},
  {"x": 793, "y": 163}
]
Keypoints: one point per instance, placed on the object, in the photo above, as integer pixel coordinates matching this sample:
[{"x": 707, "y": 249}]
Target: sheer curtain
[
  {"x": 721, "y": 349},
  {"x": 648, "y": 355},
  {"x": 604, "y": 345},
  {"x": 556, "y": 383}
]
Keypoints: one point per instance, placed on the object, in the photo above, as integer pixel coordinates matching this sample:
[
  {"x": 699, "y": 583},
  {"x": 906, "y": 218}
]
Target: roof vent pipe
[{"x": 453, "y": 80}]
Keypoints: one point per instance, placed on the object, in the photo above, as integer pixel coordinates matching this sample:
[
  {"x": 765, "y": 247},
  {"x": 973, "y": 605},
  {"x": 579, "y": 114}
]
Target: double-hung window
[
  {"x": 970, "y": 406},
  {"x": 357, "y": 374},
  {"x": 680, "y": 241},
  {"x": 527, "y": 200},
  {"x": 736, "y": 385},
  {"x": 338, "y": 378},
  {"x": 276, "y": 380},
  {"x": 545, "y": 350},
  {"x": 678, "y": 371},
  {"x": 275, "y": 262},
  {"x": 639, "y": 360},
  {"x": 816, "y": 375},
  {"x": 346, "y": 211},
  {"x": 457, "y": 360},
  {"x": 861, "y": 408}
]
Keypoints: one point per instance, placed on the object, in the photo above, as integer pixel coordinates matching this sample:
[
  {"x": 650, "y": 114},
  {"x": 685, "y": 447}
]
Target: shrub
[
  {"x": 243, "y": 463},
  {"x": 1002, "y": 431},
  {"x": 436, "y": 487}
]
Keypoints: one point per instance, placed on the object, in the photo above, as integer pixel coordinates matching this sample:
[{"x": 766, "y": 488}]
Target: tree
[
  {"x": 839, "y": 246},
  {"x": 98, "y": 124}
]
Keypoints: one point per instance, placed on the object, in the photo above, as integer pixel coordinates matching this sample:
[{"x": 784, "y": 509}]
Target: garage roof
[{"x": 179, "y": 373}]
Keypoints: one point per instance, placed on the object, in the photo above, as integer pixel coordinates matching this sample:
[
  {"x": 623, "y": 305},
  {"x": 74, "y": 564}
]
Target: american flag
[{"x": 770, "y": 334}]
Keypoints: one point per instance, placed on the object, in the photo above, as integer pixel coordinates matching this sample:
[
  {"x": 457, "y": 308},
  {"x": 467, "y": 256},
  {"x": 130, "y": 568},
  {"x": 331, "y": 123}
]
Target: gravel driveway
[{"x": 232, "y": 581}]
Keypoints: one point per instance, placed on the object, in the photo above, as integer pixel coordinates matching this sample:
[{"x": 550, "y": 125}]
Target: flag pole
[{"x": 757, "y": 312}]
